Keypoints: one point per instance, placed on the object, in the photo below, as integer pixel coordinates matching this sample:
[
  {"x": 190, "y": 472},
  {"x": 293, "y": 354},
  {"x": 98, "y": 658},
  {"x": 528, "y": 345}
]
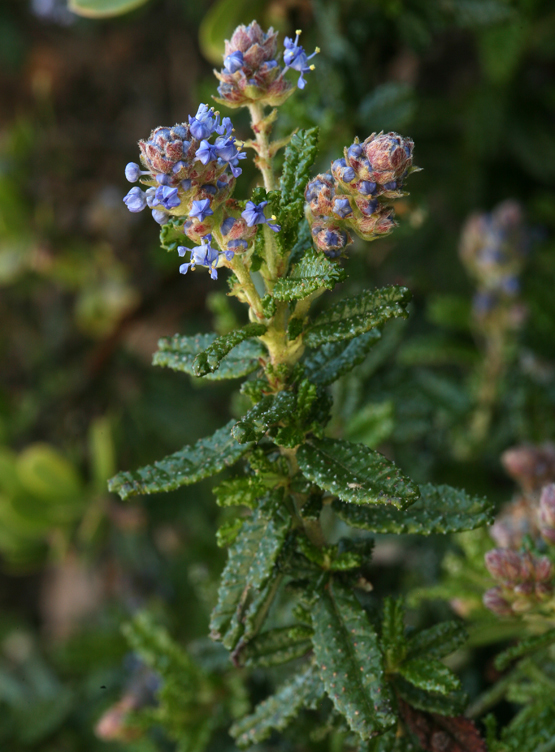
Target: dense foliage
[{"x": 370, "y": 408}]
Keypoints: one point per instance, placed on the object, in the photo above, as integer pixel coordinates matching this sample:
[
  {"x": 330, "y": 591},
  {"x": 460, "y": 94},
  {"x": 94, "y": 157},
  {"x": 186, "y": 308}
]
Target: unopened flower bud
[
  {"x": 493, "y": 599},
  {"x": 503, "y": 565},
  {"x": 543, "y": 569},
  {"x": 527, "y": 566},
  {"x": 531, "y": 466},
  {"x": 522, "y": 605},
  {"x": 544, "y": 590},
  {"x": 547, "y": 505},
  {"x": 330, "y": 238}
]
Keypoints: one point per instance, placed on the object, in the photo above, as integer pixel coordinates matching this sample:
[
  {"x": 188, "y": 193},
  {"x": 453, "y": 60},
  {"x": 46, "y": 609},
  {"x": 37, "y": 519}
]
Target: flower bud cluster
[
  {"x": 524, "y": 581},
  {"x": 354, "y": 195},
  {"x": 190, "y": 172},
  {"x": 493, "y": 249},
  {"x": 531, "y": 466},
  {"x": 252, "y": 73}
]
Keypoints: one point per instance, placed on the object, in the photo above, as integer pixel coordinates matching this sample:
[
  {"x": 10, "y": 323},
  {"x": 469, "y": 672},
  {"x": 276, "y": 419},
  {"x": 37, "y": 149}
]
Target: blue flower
[
  {"x": 132, "y": 172},
  {"x": 160, "y": 216},
  {"x": 201, "y": 209},
  {"x": 203, "y": 123},
  {"x": 233, "y": 62},
  {"x": 238, "y": 244},
  {"x": 296, "y": 58},
  {"x": 225, "y": 129},
  {"x": 366, "y": 187},
  {"x": 186, "y": 184},
  {"x": 391, "y": 186},
  {"x": 355, "y": 150},
  {"x": 369, "y": 208},
  {"x": 151, "y": 199},
  {"x": 342, "y": 207},
  {"x": 203, "y": 255},
  {"x": 345, "y": 173},
  {"x": 135, "y": 200},
  {"x": 254, "y": 215},
  {"x": 162, "y": 179},
  {"x": 206, "y": 152},
  {"x": 227, "y": 224},
  {"x": 167, "y": 196}
]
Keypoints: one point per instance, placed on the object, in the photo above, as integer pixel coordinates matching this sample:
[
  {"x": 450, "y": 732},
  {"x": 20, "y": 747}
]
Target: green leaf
[
  {"x": 394, "y": 643},
  {"x": 277, "y": 646},
  {"x": 438, "y": 641},
  {"x": 299, "y": 158},
  {"x": 172, "y": 235},
  {"x": 431, "y": 702},
  {"x": 240, "y": 491},
  {"x": 528, "y": 645},
  {"x": 103, "y": 8},
  {"x": 311, "y": 273},
  {"x": 228, "y": 531},
  {"x": 351, "y": 665},
  {"x": 268, "y": 412},
  {"x": 204, "y": 458},
  {"x": 275, "y": 713},
  {"x": 354, "y": 316},
  {"x": 249, "y": 567},
  {"x": 430, "y": 675},
  {"x": 179, "y": 353},
  {"x": 440, "y": 509},
  {"x": 330, "y": 361},
  {"x": 209, "y": 360},
  {"x": 355, "y": 473}
]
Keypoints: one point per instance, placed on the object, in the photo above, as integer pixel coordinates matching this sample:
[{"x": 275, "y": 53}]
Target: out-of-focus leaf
[
  {"x": 220, "y": 21},
  {"x": 103, "y": 8},
  {"x": 390, "y": 106}
]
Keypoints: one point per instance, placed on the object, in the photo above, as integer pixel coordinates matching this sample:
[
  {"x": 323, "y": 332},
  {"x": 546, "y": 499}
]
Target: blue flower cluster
[
  {"x": 182, "y": 165},
  {"x": 251, "y": 71},
  {"x": 493, "y": 249}
]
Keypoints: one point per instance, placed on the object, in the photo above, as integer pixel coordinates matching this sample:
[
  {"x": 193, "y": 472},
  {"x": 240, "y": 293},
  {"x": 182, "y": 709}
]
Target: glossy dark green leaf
[
  {"x": 354, "y": 316},
  {"x": 440, "y": 509},
  {"x": 328, "y": 362},
  {"x": 275, "y": 713},
  {"x": 270, "y": 411},
  {"x": 524, "y": 647},
  {"x": 431, "y": 702},
  {"x": 313, "y": 272},
  {"x": 350, "y": 661},
  {"x": 249, "y": 567},
  {"x": 438, "y": 641},
  {"x": 240, "y": 491},
  {"x": 278, "y": 646},
  {"x": 228, "y": 531},
  {"x": 299, "y": 158},
  {"x": 202, "y": 459},
  {"x": 355, "y": 473},
  {"x": 179, "y": 353},
  {"x": 209, "y": 360},
  {"x": 429, "y": 674},
  {"x": 394, "y": 643}
]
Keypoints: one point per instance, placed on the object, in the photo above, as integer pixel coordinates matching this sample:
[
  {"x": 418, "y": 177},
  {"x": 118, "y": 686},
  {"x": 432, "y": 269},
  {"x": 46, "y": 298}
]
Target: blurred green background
[{"x": 86, "y": 293}]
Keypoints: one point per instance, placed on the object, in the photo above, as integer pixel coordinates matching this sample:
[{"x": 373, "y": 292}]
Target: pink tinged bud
[
  {"x": 531, "y": 466},
  {"x": 543, "y": 569},
  {"x": 389, "y": 154},
  {"x": 547, "y": 505},
  {"x": 503, "y": 565},
  {"x": 525, "y": 589},
  {"x": 548, "y": 534},
  {"x": 527, "y": 569},
  {"x": 493, "y": 600}
]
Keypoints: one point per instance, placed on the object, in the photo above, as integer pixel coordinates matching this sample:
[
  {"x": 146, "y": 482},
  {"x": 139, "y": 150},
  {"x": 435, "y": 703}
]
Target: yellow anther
[
  {"x": 298, "y": 31},
  {"x": 312, "y": 67},
  {"x": 273, "y": 216},
  {"x": 317, "y": 50}
]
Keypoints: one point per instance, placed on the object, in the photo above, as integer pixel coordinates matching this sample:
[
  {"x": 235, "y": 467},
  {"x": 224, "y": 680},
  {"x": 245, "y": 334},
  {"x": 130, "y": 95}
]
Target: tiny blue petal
[{"x": 132, "y": 172}]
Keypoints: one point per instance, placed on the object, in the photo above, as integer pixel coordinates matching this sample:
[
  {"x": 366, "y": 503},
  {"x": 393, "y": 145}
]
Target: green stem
[
  {"x": 248, "y": 290},
  {"x": 261, "y": 131}
]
